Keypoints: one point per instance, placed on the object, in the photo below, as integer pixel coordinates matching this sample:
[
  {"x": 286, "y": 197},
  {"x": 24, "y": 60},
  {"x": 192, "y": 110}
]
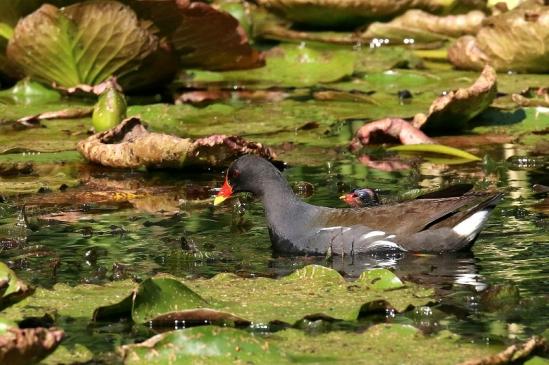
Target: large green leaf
[
  {"x": 161, "y": 296},
  {"x": 288, "y": 65},
  {"x": 84, "y": 43}
]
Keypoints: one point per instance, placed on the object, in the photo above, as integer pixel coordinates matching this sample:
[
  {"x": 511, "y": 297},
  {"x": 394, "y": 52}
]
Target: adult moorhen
[{"x": 422, "y": 225}]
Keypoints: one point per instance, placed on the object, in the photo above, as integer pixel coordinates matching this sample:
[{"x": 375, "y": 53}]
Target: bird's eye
[{"x": 233, "y": 174}]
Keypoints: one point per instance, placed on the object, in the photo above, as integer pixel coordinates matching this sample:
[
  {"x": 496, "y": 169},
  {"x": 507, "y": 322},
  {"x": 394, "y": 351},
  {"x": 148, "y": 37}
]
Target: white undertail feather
[{"x": 471, "y": 226}]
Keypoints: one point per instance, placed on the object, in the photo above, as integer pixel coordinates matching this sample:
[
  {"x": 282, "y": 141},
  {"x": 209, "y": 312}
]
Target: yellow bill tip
[{"x": 219, "y": 199}]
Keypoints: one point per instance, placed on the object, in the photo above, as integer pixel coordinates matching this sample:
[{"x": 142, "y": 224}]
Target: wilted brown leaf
[
  {"x": 454, "y": 109},
  {"x": 450, "y": 111},
  {"x": 28, "y": 346},
  {"x": 130, "y": 145},
  {"x": 395, "y": 127},
  {"x": 210, "y": 39},
  {"x": 516, "y": 40},
  {"x": 420, "y": 24},
  {"x": 344, "y": 12}
]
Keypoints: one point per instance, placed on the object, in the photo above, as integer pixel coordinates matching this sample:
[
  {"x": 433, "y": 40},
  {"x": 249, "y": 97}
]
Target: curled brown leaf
[
  {"x": 28, "y": 346},
  {"x": 516, "y": 40},
  {"x": 454, "y": 109},
  {"x": 450, "y": 111},
  {"x": 416, "y": 22},
  {"x": 130, "y": 145},
  {"x": 394, "y": 127}
]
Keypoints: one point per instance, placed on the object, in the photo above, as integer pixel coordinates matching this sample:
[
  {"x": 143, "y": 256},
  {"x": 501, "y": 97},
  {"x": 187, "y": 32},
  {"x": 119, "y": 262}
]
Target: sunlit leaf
[
  {"x": 83, "y": 43},
  {"x": 163, "y": 295}
]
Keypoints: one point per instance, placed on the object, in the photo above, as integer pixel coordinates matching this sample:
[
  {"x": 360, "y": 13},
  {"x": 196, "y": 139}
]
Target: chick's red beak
[
  {"x": 349, "y": 198},
  {"x": 225, "y": 192}
]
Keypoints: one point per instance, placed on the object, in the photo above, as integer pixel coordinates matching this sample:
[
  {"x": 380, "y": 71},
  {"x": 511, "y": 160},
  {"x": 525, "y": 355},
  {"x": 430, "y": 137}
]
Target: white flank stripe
[
  {"x": 470, "y": 226},
  {"x": 365, "y": 236},
  {"x": 385, "y": 243}
]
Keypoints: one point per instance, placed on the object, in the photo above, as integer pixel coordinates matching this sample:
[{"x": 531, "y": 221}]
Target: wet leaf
[
  {"x": 94, "y": 40},
  {"x": 130, "y": 145},
  {"x": 515, "y": 40},
  {"x": 381, "y": 279},
  {"x": 205, "y": 345},
  {"x": 12, "y": 289},
  {"x": 436, "y": 149},
  {"x": 28, "y": 346}
]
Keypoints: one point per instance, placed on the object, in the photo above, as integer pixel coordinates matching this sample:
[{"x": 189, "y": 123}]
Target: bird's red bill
[{"x": 225, "y": 192}]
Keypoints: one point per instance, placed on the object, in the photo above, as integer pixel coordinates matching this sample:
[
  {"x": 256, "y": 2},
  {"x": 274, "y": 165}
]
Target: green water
[{"x": 191, "y": 238}]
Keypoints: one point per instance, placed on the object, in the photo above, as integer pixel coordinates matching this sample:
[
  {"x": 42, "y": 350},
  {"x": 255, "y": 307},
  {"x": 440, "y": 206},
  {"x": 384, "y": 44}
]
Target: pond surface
[{"x": 55, "y": 241}]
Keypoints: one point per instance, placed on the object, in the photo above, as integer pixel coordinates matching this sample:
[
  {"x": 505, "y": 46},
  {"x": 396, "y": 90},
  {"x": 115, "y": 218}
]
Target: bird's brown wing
[{"x": 411, "y": 216}]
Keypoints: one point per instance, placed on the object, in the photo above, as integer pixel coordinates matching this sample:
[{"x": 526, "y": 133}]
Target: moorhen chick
[
  {"x": 296, "y": 227},
  {"x": 367, "y": 197},
  {"x": 359, "y": 198}
]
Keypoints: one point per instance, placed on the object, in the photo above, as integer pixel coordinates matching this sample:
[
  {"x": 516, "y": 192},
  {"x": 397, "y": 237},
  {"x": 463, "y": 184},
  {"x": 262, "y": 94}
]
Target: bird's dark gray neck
[{"x": 288, "y": 218}]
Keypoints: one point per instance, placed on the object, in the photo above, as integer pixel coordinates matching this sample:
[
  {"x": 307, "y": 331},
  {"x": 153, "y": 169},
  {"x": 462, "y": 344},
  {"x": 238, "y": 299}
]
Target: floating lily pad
[
  {"x": 311, "y": 291},
  {"x": 288, "y": 65},
  {"x": 204, "y": 345},
  {"x": 380, "y": 344}
]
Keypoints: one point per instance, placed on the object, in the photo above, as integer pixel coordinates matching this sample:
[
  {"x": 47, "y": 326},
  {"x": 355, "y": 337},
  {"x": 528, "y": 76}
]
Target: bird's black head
[{"x": 252, "y": 174}]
